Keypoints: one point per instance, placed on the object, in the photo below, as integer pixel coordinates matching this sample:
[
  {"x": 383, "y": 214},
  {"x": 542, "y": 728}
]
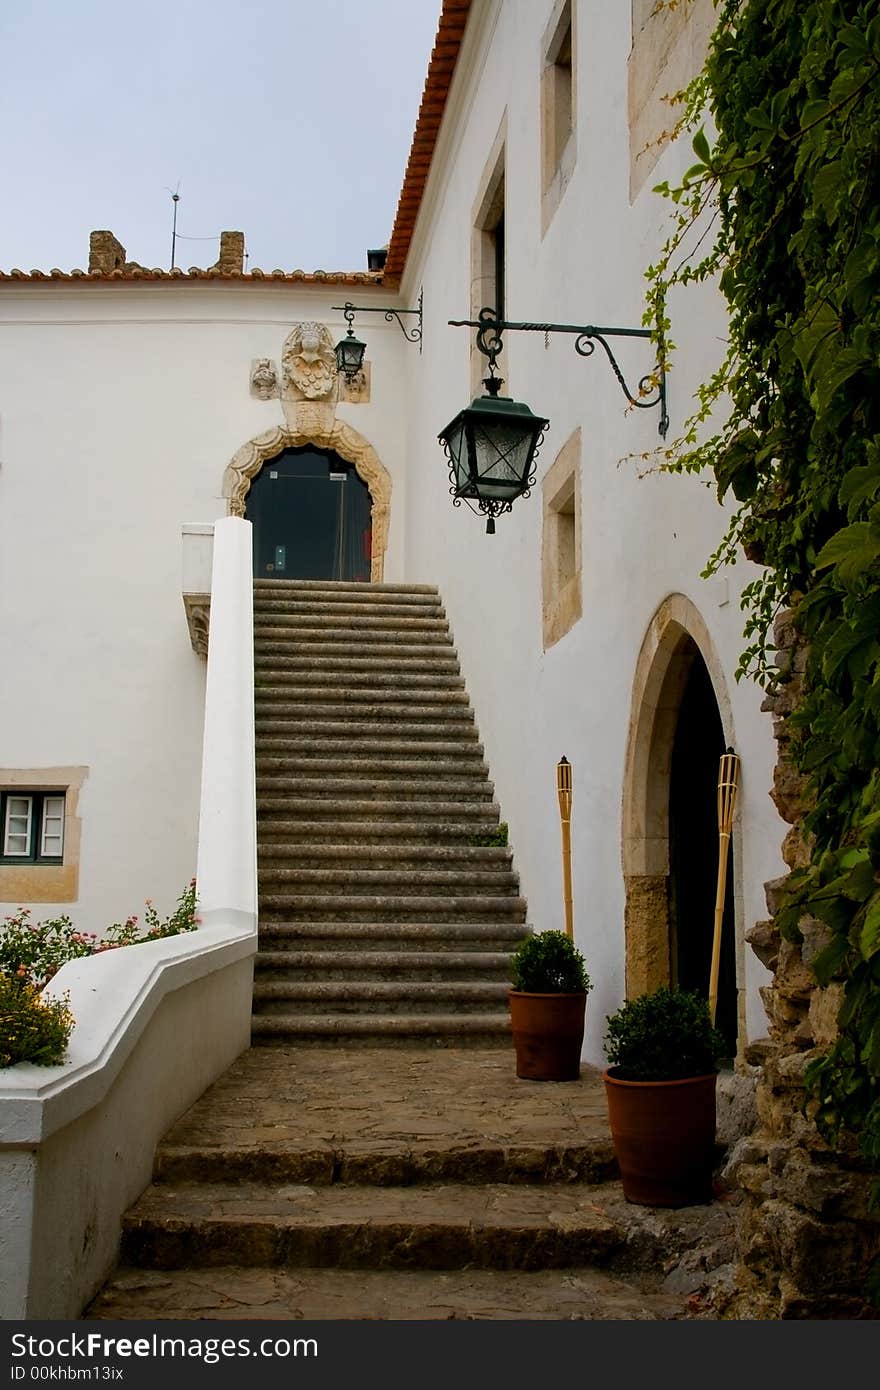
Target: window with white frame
[{"x": 32, "y": 826}]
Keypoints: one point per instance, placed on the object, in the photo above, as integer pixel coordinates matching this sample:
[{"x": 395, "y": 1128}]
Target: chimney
[
  {"x": 376, "y": 258},
  {"x": 105, "y": 252},
  {"x": 231, "y": 260}
]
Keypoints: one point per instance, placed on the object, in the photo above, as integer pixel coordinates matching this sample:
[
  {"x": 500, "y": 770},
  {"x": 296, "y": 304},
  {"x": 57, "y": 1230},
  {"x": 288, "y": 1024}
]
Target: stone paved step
[
  {"x": 374, "y": 1030},
  {"x": 232, "y": 1292},
  {"x": 335, "y": 588},
  {"x": 454, "y": 730},
  {"x": 381, "y": 996},
  {"x": 363, "y": 682},
  {"x": 379, "y": 631},
  {"x": 288, "y": 702},
  {"x": 398, "y": 907},
  {"x": 492, "y": 1226},
  {"x": 320, "y": 764},
  {"x": 366, "y": 964},
  {"x": 412, "y": 935},
  {"x": 343, "y": 854},
  {"x": 343, "y": 660},
  {"x": 472, "y": 816},
  {"x": 424, "y": 834},
  {"x": 389, "y": 790},
  {"x": 416, "y": 881},
  {"x": 318, "y": 743},
  {"x": 394, "y": 606}
]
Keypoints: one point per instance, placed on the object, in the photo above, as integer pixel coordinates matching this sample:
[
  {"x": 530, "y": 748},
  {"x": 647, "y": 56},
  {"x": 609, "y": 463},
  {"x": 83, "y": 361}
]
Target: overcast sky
[{"x": 289, "y": 120}]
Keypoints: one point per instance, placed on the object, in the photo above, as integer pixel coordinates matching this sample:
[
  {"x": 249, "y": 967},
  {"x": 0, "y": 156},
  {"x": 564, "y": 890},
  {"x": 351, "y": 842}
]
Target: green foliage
[
  {"x": 491, "y": 837},
  {"x": 31, "y": 952},
  {"x": 32, "y": 1029},
  {"x": 784, "y": 209},
  {"x": 549, "y": 963},
  {"x": 663, "y": 1036}
]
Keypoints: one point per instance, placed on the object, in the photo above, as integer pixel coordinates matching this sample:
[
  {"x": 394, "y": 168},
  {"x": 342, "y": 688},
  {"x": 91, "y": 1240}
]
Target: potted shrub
[
  {"x": 547, "y": 1005},
  {"x": 660, "y": 1087}
]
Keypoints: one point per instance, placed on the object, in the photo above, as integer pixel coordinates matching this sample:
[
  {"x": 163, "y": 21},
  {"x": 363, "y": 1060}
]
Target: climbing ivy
[{"x": 782, "y": 207}]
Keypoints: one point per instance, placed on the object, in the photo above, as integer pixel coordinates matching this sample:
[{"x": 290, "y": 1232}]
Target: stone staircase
[
  {"x": 381, "y": 921},
  {"x": 402, "y": 1183}
]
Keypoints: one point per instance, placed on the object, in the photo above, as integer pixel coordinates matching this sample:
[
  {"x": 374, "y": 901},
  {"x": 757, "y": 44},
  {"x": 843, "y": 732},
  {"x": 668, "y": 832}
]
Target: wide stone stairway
[
  {"x": 383, "y": 918},
  {"x": 363, "y": 1183},
  {"x": 417, "y": 1176}
]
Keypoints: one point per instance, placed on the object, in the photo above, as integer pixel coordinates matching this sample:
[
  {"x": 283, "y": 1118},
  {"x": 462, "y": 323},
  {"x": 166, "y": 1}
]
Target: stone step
[
  {"x": 343, "y": 589},
  {"x": 404, "y": 936},
  {"x": 316, "y": 744},
  {"x": 393, "y": 855},
  {"x": 437, "y": 1226},
  {"x": 386, "y": 790},
  {"x": 421, "y": 834},
  {"x": 528, "y": 1162},
  {"x": 363, "y": 682},
  {"x": 364, "y": 998},
  {"x": 350, "y": 606},
  {"x": 475, "y": 1030},
  {"x": 383, "y": 632},
  {"x": 467, "y": 765},
  {"x": 356, "y": 907},
  {"x": 502, "y": 882},
  {"x": 363, "y": 734},
  {"x": 379, "y": 965},
  {"x": 572, "y": 1294},
  {"x": 341, "y": 662},
  {"x": 287, "y": 702},
  {"x": 339, "y": 809}
]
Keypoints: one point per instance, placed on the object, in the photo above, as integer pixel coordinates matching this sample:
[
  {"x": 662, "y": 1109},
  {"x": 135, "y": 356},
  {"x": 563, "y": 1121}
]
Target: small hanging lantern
[
  {"x": 492, "y": 446},
  {"x": 350, "y": 350}
]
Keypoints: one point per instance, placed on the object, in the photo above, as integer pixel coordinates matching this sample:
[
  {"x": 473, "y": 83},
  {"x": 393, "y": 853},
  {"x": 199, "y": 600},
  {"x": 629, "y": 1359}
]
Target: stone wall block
[
  {"x": 823, "y": 1013},
  {"x": 764, "y": 940}
]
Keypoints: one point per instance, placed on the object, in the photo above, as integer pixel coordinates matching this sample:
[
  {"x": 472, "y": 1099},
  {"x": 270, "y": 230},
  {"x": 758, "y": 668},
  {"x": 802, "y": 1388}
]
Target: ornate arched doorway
[
  {"x": 679, "y": 728},
  {"x": 327, "y": 438}
]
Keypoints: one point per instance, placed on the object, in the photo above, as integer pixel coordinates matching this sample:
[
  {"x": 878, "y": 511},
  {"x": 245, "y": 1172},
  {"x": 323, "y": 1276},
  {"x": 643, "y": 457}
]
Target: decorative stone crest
[
  {"x": 309, "y": 362},
  {"x": 264, "y": 378}
]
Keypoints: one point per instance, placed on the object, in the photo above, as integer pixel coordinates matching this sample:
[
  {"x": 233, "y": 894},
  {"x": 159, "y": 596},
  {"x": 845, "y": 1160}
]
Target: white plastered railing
[{"x": 155, "y": 1023}]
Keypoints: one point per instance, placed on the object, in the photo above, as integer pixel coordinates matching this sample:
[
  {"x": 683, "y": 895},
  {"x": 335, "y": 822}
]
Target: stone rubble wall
[{"x": 806, "y": 1235}]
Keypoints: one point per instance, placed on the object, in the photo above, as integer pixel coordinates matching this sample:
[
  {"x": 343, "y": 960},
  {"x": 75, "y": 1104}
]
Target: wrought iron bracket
[
  {"x": 489, "y": 340},
  {"x": 412, "y": 335}
]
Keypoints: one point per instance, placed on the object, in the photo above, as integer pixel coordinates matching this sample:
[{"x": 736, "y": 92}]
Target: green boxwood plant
[
  {"x": 549, "y": 963},
  {"x": 663, "y": 1036}
]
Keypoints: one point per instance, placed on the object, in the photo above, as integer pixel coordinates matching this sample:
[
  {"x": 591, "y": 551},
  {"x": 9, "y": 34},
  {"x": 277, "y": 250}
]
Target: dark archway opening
[
  {"x": 311, "y": 517},
  {"x": 693, "y": 849}
]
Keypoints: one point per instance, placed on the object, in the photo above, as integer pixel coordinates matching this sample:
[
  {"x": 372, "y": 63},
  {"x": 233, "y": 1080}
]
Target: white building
[{"x": 135, "y": 403}]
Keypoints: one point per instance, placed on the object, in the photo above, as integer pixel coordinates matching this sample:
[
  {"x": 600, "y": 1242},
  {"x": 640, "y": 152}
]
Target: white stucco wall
[
  {"x": 643, "y": 538},
  {"x": 121, "y": 406}
]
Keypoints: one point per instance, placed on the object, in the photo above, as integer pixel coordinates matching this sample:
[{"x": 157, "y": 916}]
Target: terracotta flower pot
[
  {"x": 548, "y": 1033},
  {"x": 664, "y": 1138}
]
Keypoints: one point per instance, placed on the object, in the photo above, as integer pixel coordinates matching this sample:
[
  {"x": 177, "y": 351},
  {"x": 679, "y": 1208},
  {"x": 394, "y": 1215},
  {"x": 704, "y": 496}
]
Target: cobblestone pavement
[{"x": 396, "y": 1155}]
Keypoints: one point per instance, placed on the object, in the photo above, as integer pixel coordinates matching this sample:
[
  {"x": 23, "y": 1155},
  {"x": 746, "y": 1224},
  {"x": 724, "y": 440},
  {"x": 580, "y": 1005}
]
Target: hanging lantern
[
  {"x": 492, "y": 446},
  {"x": 349, "y": 350}
]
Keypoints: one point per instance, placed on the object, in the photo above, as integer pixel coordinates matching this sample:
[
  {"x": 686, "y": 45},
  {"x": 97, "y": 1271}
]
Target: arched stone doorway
[
  {"x": 679, "y": 726},
  {"x": 331, "y": 436}
]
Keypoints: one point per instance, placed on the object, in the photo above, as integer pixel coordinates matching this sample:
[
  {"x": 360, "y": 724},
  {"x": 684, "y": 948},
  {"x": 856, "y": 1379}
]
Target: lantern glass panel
[
  {"x": 350, "y": 354},
  {"x": 503, "y": 455}
]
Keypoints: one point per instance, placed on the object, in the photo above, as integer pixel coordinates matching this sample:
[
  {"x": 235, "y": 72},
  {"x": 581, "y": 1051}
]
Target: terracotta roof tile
[
  {"x": 131, "y": 273},
  {"x": 450, "y": 31}
]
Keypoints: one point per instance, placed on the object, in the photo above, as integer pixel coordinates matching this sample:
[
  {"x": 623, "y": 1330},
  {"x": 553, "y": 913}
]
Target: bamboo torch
[
  {"x": 728, "y": 782},
  {"x": 563, "y": 792}
]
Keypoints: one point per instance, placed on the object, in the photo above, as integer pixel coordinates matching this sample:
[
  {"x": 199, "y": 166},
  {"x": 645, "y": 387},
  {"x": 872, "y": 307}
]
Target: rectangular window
[
  {"x": 558, "y": 115},
  {"x": 489, "y": 252},
  {"x": 33, "y": 826}
]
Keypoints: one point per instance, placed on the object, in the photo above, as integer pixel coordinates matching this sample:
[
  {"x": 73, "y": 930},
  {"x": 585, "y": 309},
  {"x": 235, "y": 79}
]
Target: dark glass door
[{"x": 311, "y": 518}]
